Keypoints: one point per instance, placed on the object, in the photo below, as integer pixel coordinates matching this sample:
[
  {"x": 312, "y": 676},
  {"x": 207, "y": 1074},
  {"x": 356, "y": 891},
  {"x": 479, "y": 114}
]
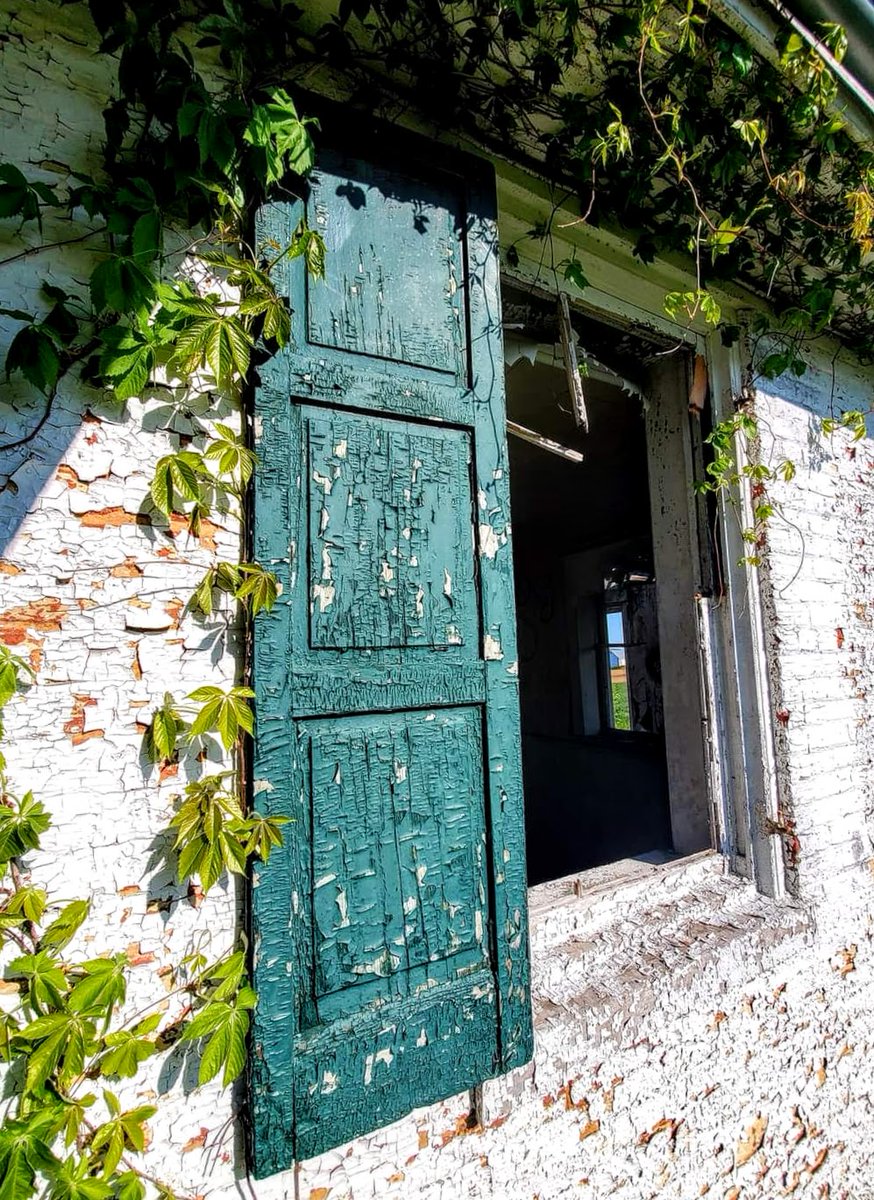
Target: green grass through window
[{"x": 621, "y": 716}]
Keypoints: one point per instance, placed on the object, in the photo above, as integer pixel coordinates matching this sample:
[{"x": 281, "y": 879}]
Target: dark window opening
[{"x": 593, "y": 741}]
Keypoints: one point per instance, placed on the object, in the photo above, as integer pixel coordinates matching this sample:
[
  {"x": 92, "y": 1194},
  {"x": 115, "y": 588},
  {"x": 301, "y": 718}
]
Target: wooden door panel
[
  {"x": 399, "y": 882},
  {"x": 394, "y": 289},
  {"x": 390, "y": 548},
  {"x": 373, "y": 1067}
]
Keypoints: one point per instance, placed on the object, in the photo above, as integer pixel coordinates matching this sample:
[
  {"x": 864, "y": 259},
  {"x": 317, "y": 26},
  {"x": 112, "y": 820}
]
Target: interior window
[
  {"x": 593, "y": 738},
  {"x": 617, "y": 711}
]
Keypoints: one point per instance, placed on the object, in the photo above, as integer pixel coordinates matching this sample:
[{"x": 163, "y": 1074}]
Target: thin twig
[
  {"x": 51, "y": 246},
  {"x": 28, "y": 437}
]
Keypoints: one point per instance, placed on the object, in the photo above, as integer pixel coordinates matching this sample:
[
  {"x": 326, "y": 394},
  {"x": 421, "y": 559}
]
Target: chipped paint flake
[
  {"x": 488, "y": 541},
  {"x": 492, "y": 651},
  {"x": 324, "y": 594}
]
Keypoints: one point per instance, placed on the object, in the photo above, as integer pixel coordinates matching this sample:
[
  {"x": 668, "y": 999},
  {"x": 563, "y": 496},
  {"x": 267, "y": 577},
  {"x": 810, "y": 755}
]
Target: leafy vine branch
[
  {"x": 159, "y": 310},
  {"x": 654, "y": 113}
]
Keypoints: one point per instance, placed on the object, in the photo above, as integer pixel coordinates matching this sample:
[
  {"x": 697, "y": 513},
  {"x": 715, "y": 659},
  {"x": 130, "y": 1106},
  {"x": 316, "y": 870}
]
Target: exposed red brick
[
  {"x": 76, "y": 723},
  {"x": 206, "y": 534},
  {"x": 68, "y": 476},
  {"x": 174, "y": 608},
  {"x": 126, "y": 570},
  {"x": 8, "y": 568},
  {"x": 196, "y": 1142},
  {"x": 78, "y": 738},
  {"x": 135, "y": 956},
  {"x": 102, "y": 518},
  {"x": 43, "y": 615}
]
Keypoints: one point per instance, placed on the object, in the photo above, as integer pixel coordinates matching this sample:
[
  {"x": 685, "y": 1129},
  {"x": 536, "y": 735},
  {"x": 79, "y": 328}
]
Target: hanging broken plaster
[{"x": 568, "y": 338}]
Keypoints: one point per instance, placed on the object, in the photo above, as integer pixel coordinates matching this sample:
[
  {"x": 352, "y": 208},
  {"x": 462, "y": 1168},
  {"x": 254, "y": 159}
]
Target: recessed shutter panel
[{"x": 390, "y": 937}]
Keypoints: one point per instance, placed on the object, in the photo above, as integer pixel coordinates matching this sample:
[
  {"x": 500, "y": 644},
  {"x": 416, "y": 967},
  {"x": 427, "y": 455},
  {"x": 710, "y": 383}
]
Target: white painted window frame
[{"x": 733, "y": 669}]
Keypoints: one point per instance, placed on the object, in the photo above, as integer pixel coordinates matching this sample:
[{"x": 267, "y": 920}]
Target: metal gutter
[
  {"x": 857, "y": 19},
  {"x": 759, "y": 25}
]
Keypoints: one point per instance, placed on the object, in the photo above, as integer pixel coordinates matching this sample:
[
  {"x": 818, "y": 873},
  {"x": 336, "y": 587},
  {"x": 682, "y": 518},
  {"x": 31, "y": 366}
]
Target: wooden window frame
[{"x": 727, "y": 630}]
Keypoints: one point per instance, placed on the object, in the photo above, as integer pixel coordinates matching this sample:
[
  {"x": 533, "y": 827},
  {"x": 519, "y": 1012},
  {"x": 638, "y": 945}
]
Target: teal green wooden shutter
[{"x": 390, "y": 933}]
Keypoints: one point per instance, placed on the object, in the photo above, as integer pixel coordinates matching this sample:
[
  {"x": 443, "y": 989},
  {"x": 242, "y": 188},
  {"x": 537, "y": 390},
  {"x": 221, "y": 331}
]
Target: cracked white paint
[{"x": 673, "y": 994}]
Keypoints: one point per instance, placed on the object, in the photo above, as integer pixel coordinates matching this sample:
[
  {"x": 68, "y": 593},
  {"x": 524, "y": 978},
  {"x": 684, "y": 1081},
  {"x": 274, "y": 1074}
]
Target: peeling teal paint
[{"x": 390, "y": 935}]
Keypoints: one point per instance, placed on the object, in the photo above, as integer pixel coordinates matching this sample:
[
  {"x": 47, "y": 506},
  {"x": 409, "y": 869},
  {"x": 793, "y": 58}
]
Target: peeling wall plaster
[{"x": 692, "y": 1038}]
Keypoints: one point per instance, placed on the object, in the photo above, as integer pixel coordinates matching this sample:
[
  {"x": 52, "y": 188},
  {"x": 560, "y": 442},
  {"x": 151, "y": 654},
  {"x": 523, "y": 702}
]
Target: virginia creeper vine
[{"x": 653, "y": 114}]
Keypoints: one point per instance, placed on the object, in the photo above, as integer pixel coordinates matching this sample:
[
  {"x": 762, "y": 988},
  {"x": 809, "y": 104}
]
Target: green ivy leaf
[
  {"x": 102, "y": 986},
  {"x": 59, "y": 1044},
  {"x": 121, "y": 285},
  {"x": 234, "y": 458},
  {"x": 225, "y": 712},
  {"x": 27, "y": 903},
  {"x": 175, "y": 480},
  {"x": 73, "y": 1181},
  {"x": 752, "y": 131},
  {"x": 65, "y": 925},
  {"x": 46, "y": 981},
  {"x": 12, "y": 668},
  {"x": 124, "y": 1131},
  {"x": 217, "y": 339},
  {"x": 129, "y": 1186},
  {"x": 146, "y": 237},
  {"x": 211, "y": 834},
  {"x": 21, "y": 198},
  {"x": 264, "y": 834},
  {"x": 163, "y": 733},
  {"x": 259, "y": 588},
  {"x": 25, "y": 1149},
  {"x": 311, "y": 245},
  {"x": 21, "y": 826},
  {"x": 223, "y": 1027},
  {"x": 127, "y": 360},
  {"x": 34, "y": 352},
  {"x": 127, "y": 1048},
  {"x": 573, "y": 273},
  {"x": 280, "y": 137},
  {"x": 223, "y": 577},
  {"x": 224, "y": 978}
]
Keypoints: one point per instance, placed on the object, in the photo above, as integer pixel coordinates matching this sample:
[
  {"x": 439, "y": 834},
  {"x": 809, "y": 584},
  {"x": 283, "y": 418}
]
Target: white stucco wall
[{"x": 675, "y": 1008}]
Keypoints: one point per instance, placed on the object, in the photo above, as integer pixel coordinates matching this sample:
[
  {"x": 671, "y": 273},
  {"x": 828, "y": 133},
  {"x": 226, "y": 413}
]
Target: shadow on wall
[{"x": 99, "y": 452}]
